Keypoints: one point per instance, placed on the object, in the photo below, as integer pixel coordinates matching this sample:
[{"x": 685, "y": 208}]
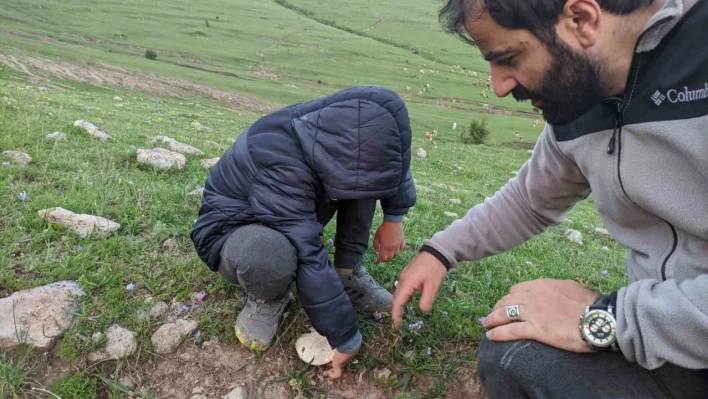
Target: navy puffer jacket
[{"x": 354, "y": 144}]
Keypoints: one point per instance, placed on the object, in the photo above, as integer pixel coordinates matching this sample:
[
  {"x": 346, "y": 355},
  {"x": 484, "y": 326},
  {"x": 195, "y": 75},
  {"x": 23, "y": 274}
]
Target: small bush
[
  {"x": 77, "y": 386},
  {"x": 476, "y": 133},
  {"x": 150, "y": 54}
]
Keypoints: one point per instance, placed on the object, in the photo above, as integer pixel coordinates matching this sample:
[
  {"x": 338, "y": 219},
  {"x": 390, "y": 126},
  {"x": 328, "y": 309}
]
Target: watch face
[{"x": 599, "y": 328}]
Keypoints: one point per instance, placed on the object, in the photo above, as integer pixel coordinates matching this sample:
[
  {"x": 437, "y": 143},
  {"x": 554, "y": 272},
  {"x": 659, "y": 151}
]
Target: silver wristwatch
[{"x": 598, "y": 326}]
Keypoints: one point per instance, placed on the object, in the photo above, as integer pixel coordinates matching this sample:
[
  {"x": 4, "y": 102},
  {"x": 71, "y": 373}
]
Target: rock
[
  {"x": 574, "y": 236},
  {"x": 315, "y": 348},
  {"x": 39, "y": 315},
  {"x": 197, "y": 390},
  {"x": 116, "y": 98},
  {"x": 81, "y": 224},
  {"x": 168, "y": 337},
  {"x": 158, "y": 310},
  {"x": 121, "y": 342},
  {"x": 187, "y": 357},
  {"x": 92, "y": 130},
  {"x": 97, "y": 356},
  {"x": 18, "y": 157},
  {"x": 199, "y": 191},
  {"x": 455, "y": 201},
  {"x": 451, "y": 214},
  {"x": 199, "y": 396},
  {"x": 605, "y": 248},
  {"x": 169, "y": 244},
  {"x": 237, "y": 393},
  {"x": 382, "y": 374},
  {"x": 209, "y": 163},
  {"x": 56, "y": 136},
  {"x": 97, "y": 337},
  {"x": 421, "y": 153},
  {"x": 601, "y": 231},
  {"x": 162, "y": 158},
  {"x": 174, "y": 145}
]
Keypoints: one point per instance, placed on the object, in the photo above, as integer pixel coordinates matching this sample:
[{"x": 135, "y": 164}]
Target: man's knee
[
  {"x": 261, "y": 259},
  {"x": 505, "y": 366}
]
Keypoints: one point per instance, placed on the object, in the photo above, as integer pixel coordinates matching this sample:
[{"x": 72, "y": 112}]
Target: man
[
  {"x": 266, "y": 202},
  {"x": 623, "y": 85}
]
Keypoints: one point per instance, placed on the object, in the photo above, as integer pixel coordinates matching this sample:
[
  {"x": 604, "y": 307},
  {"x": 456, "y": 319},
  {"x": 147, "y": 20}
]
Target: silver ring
[{"x": 512, "y": 312}]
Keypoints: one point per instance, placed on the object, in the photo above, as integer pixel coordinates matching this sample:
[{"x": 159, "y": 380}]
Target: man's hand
[
  {"x": 549, "y": 312},
  {"x": 340, "y": 360},
  {"x": 424, "y": 273},
  {"x": 389, "y": 241}
]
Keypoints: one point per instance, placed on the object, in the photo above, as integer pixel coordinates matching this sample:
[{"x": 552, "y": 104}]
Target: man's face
[{"x": 560, "y": 81}]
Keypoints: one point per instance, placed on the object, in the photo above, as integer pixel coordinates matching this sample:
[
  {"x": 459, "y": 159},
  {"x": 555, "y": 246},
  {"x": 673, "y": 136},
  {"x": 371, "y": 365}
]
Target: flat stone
[
  {"x": 162, "y": 158},
  {"x": 158, "y": 310},
  {"x": 420, "y": 153},
  {"x": 199, "y": 192},
  {"x": 209, "y": 163},
  {"x": 39, "y": 315},
  {"x": 92, "y": 130},
  {"x": 121, "y": 342},
  {"x": 574, "y": 236},
  {"x": 168, "y": 337},
  {"x": 97, "y": 356},
  {"x": 382, "y": 374},
  {"x": 312, "y": 347},
  {"x": 56, "y": 136},
  {"x": 452, "y": 214},
  {"x": 176, "y": 146},
  {"x": 97, "y": 337},
  {"x": 237, "y": 393},
  {"x": 116, "y": 98},
  {"x": 18, "y": 157},
  {"x": 601, "y": 231},
  {"x": 81, "y": 224},
  {"x": 455, "y": 201}
]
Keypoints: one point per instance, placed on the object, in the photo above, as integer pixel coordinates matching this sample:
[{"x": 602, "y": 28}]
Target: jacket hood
[{"x": 358, "y": 141}]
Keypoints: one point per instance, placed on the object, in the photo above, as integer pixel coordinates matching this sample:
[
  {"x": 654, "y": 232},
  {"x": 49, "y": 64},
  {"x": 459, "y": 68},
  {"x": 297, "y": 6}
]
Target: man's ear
[{"x": 579, "y": 23}]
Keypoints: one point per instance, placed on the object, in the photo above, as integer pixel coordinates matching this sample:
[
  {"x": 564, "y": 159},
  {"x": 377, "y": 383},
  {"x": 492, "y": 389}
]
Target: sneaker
[
  {"x": 365, "y": 293},
  {"x": 258, "y": 321}
]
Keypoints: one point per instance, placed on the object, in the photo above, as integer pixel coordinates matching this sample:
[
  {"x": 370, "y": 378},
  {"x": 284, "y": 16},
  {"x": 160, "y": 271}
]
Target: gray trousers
[
  {"x": 528, "y": 369},
  {"x": 264, "y": 262}
]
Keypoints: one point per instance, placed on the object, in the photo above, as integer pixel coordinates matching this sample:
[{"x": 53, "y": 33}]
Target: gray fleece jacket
[{"x": 644, "y": 156}]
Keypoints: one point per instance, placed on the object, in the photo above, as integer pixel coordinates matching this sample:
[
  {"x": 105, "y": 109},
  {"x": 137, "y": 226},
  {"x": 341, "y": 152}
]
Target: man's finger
[
  {"x": 430, "y": 291},
  {"x": 512, "y": 332},
  {"x": 498, "y": 318},
  {"x": 400, "y": 298}
]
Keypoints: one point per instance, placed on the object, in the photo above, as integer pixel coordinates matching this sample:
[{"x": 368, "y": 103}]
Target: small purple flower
[
  {"x": 6, "y": 164},
  {"x": 23, "y": 196},
  {"x": 130, "y": 287},
  {"x": 604, "y": 273},
  {"x": 429, "y": 351},
  {"x": 197, "y": 336},
  {"x": 330, "y": 242},
  {"x": 481, "y": 320},
  {"x": 141, "y": 200},
  {"x": 444, "y": 313},
  {"x": 180, "y": 308},
  {"x": 194, "y": 306},
  {"x": 416, "y": 325},
  {"x": 378, "y": 316}
]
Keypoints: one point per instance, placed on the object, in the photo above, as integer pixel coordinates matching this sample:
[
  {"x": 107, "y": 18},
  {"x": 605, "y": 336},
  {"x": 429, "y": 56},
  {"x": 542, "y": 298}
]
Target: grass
[{"x": 88, "y": 176}]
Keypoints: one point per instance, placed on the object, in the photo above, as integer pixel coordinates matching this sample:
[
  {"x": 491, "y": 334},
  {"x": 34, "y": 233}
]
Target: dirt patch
[{"x": 95, "y": 73}]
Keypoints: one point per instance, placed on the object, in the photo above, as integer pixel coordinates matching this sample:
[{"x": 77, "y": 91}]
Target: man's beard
[{"x": 570, "y": 88}]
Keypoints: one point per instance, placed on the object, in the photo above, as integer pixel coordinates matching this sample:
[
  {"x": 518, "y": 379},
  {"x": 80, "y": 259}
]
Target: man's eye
[{"x": 509, "y": 61}]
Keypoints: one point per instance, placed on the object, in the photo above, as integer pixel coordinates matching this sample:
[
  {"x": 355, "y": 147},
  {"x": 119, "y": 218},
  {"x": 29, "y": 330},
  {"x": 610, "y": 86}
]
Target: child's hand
[
  {"x": 340, "y": 360},
  {"x": 389, "y": 241}
]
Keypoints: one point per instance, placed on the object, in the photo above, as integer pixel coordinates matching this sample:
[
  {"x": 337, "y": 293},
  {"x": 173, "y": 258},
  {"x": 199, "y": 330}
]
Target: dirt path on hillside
[{"x": 100, "y": 74}]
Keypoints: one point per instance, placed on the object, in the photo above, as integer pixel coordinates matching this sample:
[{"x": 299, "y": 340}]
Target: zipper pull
[{"x": 618, "y": 125}]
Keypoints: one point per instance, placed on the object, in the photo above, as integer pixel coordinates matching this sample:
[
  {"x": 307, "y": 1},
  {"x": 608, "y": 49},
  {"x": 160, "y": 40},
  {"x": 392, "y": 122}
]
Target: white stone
[
  {"x": 199, "y": 191},
  {"x": 601, "y": 231},
  {"x": 176, "y": 146},
  {"x": 574, "y": 236},
  {"x": 209, "y": 163},
  {"x": 39, "y": 315},
  {"x": 121, "y": 342},
  {"x": 605, "y": 248},
  {"x": 237, "y": 393},
  {"x": 56, "y": 136},
  {"x": 168, "y": 337},
  {"x": 382, "y": 374},
  {"x": 92, "y": 130},
  {"x": 18, "y": 157},
  {"x": 452, "y": 214},
  {"x": 199, "y": 396},
  {"x": 162, "y": 158},
  {"x": 312, "y": 347},
  {"x": 158, "y": 310},
  {"x": 81, "y": 224},
  {"x": 455, "y": 201},
  {"x": 97, "y": 356},
  {"x": 97, "y": 337},
  {"x": 116, "y": 98},
  {"x": 421, "y": 153}
]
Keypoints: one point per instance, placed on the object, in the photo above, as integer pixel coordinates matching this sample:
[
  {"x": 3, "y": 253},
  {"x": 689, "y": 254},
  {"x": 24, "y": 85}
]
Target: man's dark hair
[{"x": 537, "y": 16}]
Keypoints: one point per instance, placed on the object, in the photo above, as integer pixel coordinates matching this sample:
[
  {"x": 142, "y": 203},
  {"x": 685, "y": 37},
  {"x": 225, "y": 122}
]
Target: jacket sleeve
[
  {"x": 547, "y": 186},
  {"x": 283, "y": 198},
  {"x": 398, "y": 205},
  {"x": 664, "y": 321}
]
